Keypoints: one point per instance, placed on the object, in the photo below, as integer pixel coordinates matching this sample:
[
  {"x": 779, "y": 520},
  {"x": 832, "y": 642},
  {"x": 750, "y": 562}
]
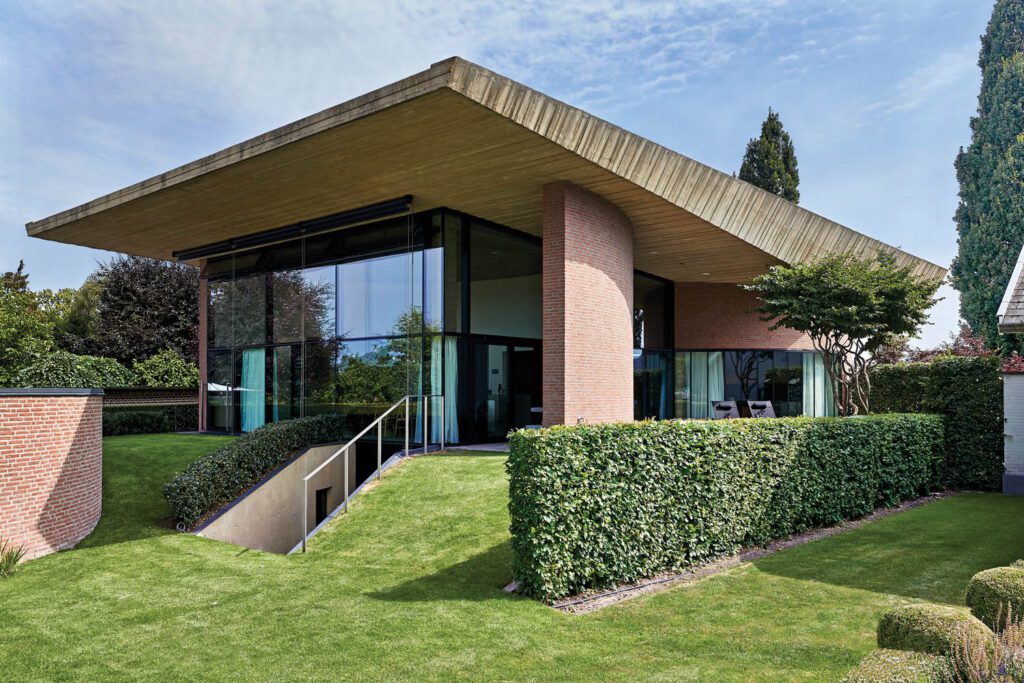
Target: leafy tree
[
  {"x": 146, "y": 306},
  {"x": 850, "y": 307},
  {"x": 166, "y": 370},
  {"x": 26, "y": 329},
  {"x": 990, "y": 216},
  {"x": 75, "y": 326},
  {"x": 57, "y": 368},
  {"x": 963, "y": 344},
  {"x": 770, "y": 160}
]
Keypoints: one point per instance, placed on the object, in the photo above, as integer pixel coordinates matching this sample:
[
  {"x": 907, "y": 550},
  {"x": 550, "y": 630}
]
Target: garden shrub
[
  {"x": 597, "y": 505},
  {"x": 994, "y": 591},
  {"x": 969, "y": 392},
  {"x": 155, "y": 419},
  {"x": 69, "y": 370},
  {"x": 933, "y": 629},
  {"x": 166, "y": 370},
  {"x": 896, "y": 666},
  {"x": 218, "y": 478}
]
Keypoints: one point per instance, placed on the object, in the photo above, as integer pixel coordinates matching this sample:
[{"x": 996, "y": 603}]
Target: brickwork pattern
[
  {"x": 720, "y": 317},
  {"x": 51, "y": 462},
  {"x": 149, "y": 397},
  {"x": 588, "y": 308}
]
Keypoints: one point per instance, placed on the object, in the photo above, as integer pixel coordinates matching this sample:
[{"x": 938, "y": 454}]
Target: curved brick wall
[{"x": 51, "y": 464}]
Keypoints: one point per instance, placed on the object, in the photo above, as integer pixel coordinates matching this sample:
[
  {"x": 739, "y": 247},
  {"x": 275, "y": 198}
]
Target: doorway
[{"x": 506, "y": 387}]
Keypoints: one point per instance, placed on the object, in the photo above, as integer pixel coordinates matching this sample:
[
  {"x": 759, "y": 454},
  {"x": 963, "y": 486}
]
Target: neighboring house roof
[
  {"x": 462, "y": 136},
  {"x": 1010, "y": 315}
]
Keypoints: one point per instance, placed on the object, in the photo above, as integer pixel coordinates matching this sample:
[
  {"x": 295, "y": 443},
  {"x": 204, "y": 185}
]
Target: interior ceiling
[{"x": 444, "y": 150}]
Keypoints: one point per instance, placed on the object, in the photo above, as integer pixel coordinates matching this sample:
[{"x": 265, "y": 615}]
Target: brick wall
[
  {"x": 51, "y": 459},
  {"x": 143, "y": 396},
  {"x": 588, "y": 308},
  {"x": 715, "y": 316}
]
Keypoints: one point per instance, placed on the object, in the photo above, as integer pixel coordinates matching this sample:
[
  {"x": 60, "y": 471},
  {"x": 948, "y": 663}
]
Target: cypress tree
[
  {"x": 990, "y": 216},
  {"x": 770, "y": 160}
]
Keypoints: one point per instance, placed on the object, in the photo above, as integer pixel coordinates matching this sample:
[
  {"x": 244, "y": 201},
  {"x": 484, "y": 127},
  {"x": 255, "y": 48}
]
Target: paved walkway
[{"x": 493, "y": 447}]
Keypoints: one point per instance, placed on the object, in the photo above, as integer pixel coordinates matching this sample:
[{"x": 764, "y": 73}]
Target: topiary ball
[
  {"x": 993, "y": 593},
  {"x": 932, "y": 629}
]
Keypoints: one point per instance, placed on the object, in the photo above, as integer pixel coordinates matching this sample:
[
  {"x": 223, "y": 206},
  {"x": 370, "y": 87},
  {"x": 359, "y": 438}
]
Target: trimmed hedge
[
  {"x": 218, "y": 478},
  {"x": 933, "y": 629},
  {"x": 969, "y": 392},
  {"x": 992, "y": 591},
  {"x": 63, "y": 369},
  {"x": 597, "y": 505},
  {"x": 121, "y": 421},
  {"x": 897, "y": 666}
]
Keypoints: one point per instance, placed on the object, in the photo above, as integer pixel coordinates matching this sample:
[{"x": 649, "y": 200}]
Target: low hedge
[
  {"x": 218, "y": 478},
  {"x": 121, "y": 421},
  {"x": 597, "y": 505},
  {"x": 969, "y": 392},
  {"x": 932, "y": 629},
  {"x": 994, "y": 591},
  {"x": 897, "y": 666}
]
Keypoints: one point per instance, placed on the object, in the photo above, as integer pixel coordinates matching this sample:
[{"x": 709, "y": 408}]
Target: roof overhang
[{"x": 459, "y": 135}]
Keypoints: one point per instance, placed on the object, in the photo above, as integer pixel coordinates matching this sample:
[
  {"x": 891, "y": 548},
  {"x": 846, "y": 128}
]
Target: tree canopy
[
  {"x": 990, "y": 216},
  {"x": 770, "y": 160},
  {"x": 850, "y": 307}
]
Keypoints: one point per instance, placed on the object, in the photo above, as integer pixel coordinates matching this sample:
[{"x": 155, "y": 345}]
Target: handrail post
[
  {"x": 380, "y": 445},
  {"x": 346, "y": 479},
  {"x": 426, "y": 425},
  {"x": 442, "y": 422},
  {"x": 407, "y": 425},
  {"x": 305, "y": 513}
]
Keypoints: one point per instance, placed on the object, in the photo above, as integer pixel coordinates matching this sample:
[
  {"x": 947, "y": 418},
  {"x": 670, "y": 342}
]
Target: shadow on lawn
[
  {"x": 479, "y": 578},
  {"x": 925, "y": 554}
]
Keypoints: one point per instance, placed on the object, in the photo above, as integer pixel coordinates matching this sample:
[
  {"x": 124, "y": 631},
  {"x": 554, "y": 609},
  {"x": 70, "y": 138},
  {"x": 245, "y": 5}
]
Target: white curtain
[
  {"x": 810, "y": 386},
  {"x": 698, "y": 379},
  {"x": 436, "y": 366},
  {"x": 716, "y": 379}
]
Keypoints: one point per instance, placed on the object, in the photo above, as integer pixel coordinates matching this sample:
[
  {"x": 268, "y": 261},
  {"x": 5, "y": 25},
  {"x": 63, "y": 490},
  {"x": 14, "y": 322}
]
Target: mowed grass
[{"x": 408, "y": 586}]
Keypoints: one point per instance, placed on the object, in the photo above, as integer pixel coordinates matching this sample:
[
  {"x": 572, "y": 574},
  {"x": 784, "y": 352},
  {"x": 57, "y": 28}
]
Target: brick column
[{"x": 588, "y": 308}]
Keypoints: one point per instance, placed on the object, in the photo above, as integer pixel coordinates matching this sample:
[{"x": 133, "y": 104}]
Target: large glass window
[
  {"x": 505, "y": 283},
  {"x": 652, "y": 312}
]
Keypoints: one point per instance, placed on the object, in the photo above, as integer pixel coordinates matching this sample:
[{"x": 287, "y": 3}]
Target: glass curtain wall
[
  {"x": 652, "y": 343},
  {"x": 348, "y": 322}
]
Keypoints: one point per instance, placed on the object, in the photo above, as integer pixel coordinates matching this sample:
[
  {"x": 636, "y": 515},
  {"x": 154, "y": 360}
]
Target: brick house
[{"x": 461, "y": 237}]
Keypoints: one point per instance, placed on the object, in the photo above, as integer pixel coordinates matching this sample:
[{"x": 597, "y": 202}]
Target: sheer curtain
[
  {"x": 698, "y": 380},
  {"x": 716, "y": 379},
  {"x": 253, "y": 388},
  {"x": 810, "y": 393},
  {"x": 451, "y": 389}
]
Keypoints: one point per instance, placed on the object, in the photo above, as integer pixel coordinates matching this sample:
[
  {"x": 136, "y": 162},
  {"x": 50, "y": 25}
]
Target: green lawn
[{"x": 409, "y": 586}]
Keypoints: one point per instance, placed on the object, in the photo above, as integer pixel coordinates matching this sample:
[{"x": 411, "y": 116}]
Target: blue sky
[{"x": 877, "y": 94}]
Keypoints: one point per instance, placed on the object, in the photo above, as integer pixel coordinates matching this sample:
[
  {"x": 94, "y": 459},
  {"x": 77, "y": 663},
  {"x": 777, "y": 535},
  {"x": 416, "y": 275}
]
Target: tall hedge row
[
  {"x": 218, "y": 478},
  {"x": 969, "y": 392},
  {"x": 597, "y": 505}
]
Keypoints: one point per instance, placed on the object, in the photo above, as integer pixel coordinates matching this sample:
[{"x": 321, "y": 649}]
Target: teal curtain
[
  {"x": 451, "y": 389},
  {"x": 436, "y": 387},
  {"x": 253, "y": 389},
  {"x": 716, "y": 379}
]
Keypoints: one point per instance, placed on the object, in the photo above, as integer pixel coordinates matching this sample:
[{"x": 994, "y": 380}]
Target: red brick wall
[
  {"x": 715, "y": 316},
  {"x": 588, "y": 308},
  {"x": 144, "y": 396},
  {"x": 51, "y": 460}
]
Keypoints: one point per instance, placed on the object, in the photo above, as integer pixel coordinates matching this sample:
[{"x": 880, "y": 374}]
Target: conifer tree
[
  {"x": 770, "y": 160},
  {"x": 990, "y": 216}
]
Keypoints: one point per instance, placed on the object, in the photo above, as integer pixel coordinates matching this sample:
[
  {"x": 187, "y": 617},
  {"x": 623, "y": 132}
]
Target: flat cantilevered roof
[{"x": 462, "y": 136}]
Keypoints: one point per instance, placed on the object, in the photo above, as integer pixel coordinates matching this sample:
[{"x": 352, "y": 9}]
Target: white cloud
[{"x": 947, "y": 71}]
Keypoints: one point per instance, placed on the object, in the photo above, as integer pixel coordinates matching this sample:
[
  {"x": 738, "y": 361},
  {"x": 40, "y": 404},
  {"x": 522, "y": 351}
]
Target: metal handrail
[{"x": 379, "y": 423}]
